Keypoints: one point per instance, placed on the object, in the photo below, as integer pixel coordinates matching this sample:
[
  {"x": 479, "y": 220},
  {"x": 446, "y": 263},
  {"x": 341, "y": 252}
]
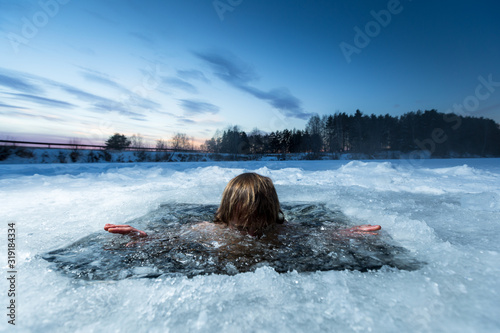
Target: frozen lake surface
[{"x": 446, "y": 213}]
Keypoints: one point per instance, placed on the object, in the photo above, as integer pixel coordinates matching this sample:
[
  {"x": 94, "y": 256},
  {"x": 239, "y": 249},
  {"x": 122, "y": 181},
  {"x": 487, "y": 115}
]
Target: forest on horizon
[
  {"x": 440, "y": 134},
  {"x": 421, "y": 134}
]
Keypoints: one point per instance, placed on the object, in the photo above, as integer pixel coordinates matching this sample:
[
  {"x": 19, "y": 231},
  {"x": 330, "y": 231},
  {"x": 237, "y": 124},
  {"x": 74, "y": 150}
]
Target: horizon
[
  {"x": 197, "y": 145},
  {"x": 85, "y": 71}
]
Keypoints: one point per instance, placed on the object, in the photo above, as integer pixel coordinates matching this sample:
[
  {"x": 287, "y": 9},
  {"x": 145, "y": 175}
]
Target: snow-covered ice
[{"x": 446, "y": 212}]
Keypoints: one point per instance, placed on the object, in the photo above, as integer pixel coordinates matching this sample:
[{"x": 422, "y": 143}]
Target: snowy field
[{"x": 446, "y": 212}]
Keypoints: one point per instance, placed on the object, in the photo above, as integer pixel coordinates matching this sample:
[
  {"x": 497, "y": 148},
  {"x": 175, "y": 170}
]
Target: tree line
[
  {"x": 180, "y": 141},
  {"x": 442, "y": 135}
]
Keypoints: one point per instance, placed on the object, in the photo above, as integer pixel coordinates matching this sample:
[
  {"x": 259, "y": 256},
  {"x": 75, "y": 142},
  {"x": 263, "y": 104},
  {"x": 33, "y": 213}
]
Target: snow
[
  {"x": 24, "y": 155},
  {"x": 446, "y": 212}
]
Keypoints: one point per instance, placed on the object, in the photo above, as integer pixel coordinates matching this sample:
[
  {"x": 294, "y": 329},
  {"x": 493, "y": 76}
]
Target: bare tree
[
  {"x": 74, "y": 143},
  {"x": 9, "y": 138},
  {"x": 180, "y": 141},
  {"x": 161, "y": 145},
  {"x": 137, "y": 141}
]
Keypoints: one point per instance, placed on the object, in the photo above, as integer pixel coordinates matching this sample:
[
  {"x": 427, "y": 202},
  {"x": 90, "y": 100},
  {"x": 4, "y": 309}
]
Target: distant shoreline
[{"x": 29, "y": 155}]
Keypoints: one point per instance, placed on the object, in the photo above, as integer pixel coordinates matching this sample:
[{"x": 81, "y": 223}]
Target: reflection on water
[{"x": 308, "y": 242}]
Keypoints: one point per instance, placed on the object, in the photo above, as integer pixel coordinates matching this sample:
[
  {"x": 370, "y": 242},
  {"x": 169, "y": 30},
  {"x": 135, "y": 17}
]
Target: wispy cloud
[
  {"x": 42, "y": 100},
  {"x": 38, "y": 116},
  {"x": 193, "y": 107},
  {"x": 110, "y": 106},
  {"x": 180, "y": 84},
  {"x": 99, "y": 103},
  {"x": 28, "y": 87},
  {"x": 82, "y": 95},
  {"x": 192, "y": 74},
  {"x": 229, "y": 68},
  {"x": 238, "y": 74},
  {"x": 143, "y": 38},
  {"x": 8, "y": 106},
  {"x": 488, "y": 110},
  {"x": 281, "y": 99},
  {"x": 21, "y": 84},
  {"x": 101, "y": 79},
  {"x": 127, "y": 96},
  {"x": 18, "y": 84},
  {"x": 186, "y": 121}
]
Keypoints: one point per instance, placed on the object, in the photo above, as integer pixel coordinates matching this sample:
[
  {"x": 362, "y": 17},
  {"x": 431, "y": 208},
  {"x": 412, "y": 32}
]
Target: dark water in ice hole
[{"x": 306, "y": 243}]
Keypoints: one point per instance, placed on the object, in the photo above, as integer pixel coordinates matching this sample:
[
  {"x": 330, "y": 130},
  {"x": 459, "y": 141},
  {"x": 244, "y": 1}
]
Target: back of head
[{"x": 250, "y": 202}]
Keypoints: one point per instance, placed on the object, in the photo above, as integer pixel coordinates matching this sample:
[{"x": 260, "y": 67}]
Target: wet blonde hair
[{"x": 250, "y": 200}]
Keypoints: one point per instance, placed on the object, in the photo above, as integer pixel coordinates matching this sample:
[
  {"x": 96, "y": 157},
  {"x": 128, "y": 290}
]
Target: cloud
[
  {"x": 110, "y": 106},
  {"x": 281, "y": 99},
  {"x": 143, "y": 38},
  {"x": 229, "y": 68},
  {"x": 127, "y": 96},
  {"x": 100, "y": 103},
  {"x": 2, "y": 105},
  {"x": 43, "y": 101},
  {"x": 186, "y": 121},
  {"x": 489, "y": 109},
  {"x": 192, "y": 107},
  {"x": 126, "y": 102},
  {"x": 137, "y": 101},
  {"x": 82, "y": 95},
  {"x": 100, "y": 78},
  {"x": 239, "y": 75},
  {"x": 18, "y": 84},
  {"x": 28, "y": 89},
  {"x": 180, "y": 84},
  {"x": 139, "y": 119},
  {"x": 30, "y": 115},
  {"x": 192, "y": 75}
]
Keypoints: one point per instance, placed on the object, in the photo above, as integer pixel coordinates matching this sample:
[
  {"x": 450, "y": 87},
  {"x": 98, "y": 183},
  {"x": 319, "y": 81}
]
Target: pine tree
[{"x": 118, "y": 142}]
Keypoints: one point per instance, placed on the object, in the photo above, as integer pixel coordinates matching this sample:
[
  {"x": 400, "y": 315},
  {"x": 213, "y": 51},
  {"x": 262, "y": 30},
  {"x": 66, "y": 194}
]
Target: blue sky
[{"x": 74, "y": 69}]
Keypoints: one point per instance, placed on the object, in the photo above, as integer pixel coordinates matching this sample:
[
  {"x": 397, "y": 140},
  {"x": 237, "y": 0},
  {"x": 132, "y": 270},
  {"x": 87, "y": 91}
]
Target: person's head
[{"x": 250, "y": 202}]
